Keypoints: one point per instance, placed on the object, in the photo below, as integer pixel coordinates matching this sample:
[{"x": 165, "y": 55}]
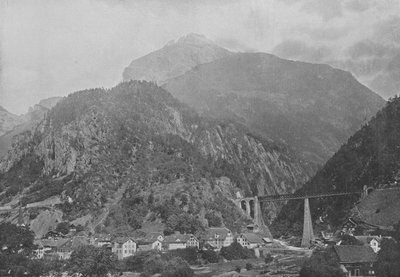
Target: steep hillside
[
  {"x": 174, "y": 59},
  {"x": 371, "y": 158},
  {"x": 313, "y": 108},
  {"x": 133, "y": 154},
  {"x": 8, "y": 121},
  {"x": 25, "y": 122}
]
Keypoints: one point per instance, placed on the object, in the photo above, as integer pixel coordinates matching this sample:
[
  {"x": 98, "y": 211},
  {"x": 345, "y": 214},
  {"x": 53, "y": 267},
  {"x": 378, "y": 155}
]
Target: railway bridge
[{"x": 251, "y": 206}]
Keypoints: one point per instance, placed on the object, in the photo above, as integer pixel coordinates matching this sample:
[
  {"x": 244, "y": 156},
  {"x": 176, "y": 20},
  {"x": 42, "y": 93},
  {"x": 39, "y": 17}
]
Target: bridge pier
[
  {"x": 308, "y": 232},
  {"x": 248, "y": 208}
]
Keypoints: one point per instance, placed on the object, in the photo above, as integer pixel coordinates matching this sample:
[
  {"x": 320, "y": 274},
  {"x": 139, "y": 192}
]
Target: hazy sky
[{"x": 54, "y": 47}]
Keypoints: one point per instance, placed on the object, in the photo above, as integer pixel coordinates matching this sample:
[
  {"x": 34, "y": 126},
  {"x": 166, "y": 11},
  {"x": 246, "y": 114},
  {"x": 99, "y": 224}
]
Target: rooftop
[
  {"x": 348, "y": 254},
  {"x": 177, "y": 238},
  {"x": 253, "y": 237},
  {"x": 222, "y": 232}
]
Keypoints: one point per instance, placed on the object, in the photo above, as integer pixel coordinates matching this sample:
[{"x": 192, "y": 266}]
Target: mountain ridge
[
  {"x": 174, "y": 59},
  {"x": 269, "y": 93},
  {"x": 370, "y": 158},
  {"x": 137, "y": 134}
]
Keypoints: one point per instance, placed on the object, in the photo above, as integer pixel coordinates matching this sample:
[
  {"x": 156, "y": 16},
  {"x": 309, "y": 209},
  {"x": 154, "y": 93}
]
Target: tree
[
  {"x": 249, "y": 266},
  {"x": 154, "y": 264},
  {"x": 14, "y": 239},
  {"x": 187, "y": 254},
  {"x": 387, "y": 264},
  {"x": 213, "y": 219},
  {"x": 63, "y": 227},
  {"x": 92, "y": 261},
  {"x": 268, "y": 258},
  {"x": 177, "y": 267},
  {"x": 16, "y": 246},
  {"x": 136, "y": 263},
  {"x": 210, "y": 256},
  {"x": 235, "y": 252},
  {"x": 322, "y": 263}
]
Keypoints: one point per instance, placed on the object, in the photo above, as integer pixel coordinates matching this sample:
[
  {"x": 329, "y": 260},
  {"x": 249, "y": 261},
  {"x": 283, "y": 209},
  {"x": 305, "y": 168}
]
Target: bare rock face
[
  {"x": 174, "y": 59},
  {"x": 25, "y": 122},
  {"x": 313, "y": 108},
  {"x": 100, "y": 148}
]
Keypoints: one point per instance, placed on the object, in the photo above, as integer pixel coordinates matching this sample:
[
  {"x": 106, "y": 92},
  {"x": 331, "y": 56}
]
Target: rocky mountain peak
[
  {"x": 196, "y": 39},
  {"x": 174, "y": 59}
]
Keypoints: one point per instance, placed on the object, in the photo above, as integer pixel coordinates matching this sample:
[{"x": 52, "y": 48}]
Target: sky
[{"x": 55, "y": 47}]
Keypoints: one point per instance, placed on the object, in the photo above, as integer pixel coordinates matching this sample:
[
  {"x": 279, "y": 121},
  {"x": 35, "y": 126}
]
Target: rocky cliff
[
  {"x": 312, "y": 108},
  {"x": 24, "y": 122},
  {"x": 119, "y": 157}
]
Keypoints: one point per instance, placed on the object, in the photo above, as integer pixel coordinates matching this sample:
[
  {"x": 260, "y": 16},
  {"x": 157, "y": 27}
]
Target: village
[
  {"x": 355, "y": 245},
  {"x": 357, "y": 252}
]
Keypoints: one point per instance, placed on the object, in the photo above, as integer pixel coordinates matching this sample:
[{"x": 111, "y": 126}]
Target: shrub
[
  {"x": 249, "y": 266},
  {"x": 209, "y": 256},
  {"x": 235, "y": 251},
  {"x": 177, "y": 267}
]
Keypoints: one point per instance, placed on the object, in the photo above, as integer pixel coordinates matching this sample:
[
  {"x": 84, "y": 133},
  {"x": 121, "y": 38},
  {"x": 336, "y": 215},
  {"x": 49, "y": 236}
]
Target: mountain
[
  {"x": 24, "y": 122},
  {"x": 313, "y": 108},
  {"x": 8, "y": 120},
  {"x": 174, "y": 59},
  {"x": 371, "y": 158},
  {"x": 134, "y": 155}
]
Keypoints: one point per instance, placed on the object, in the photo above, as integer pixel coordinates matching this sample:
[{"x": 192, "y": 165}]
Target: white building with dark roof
[
  {"x": 124, "y": 247},
  {"x": 218, "y": 237}
]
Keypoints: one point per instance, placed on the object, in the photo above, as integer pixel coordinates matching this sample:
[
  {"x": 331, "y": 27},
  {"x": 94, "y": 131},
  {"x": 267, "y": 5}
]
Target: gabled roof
[
  {"x": 122, "y": 240},
  {"x": 54, "y": 243},
  {"x": 149, "y": 238},
  {"x": 367, "y": 239},
  {"x": 74, "y": 243},
  {"x": 221, "y": 232},
  {"x": 103, "y": 237},
  {"x": 253, "y": 238},
  {"x": 348, "y": 254},
  {"x": 177, "y": 238}
]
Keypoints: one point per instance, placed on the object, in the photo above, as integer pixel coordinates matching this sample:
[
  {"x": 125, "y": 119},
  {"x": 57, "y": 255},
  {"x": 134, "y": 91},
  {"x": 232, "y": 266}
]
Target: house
[
  {"x": 218, "y": 237},
  {"x": 101, "y": 240},
  {"x": 39, "y": 251},
  {"x": 252, "y": 240},
  {"x": 356, "y": 260},
  {"x": 152, "y": 241},
  {"x": 356, "y": 225},
  {"x": 53, "y": 235},
  {"x": 65, "y": 250},
  {"x": 51, "y": 248},
  {"x": 180, "y": 241},
  {"x": 124, "y": 247}
]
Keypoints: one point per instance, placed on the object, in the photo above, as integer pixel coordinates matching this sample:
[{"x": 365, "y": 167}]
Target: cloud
[
  {"x": 388, "y": 30},
  {"x": 53, "y": 48},
  {"x": 326, "y": 9},
  {"x": 299, "y": 50},
  {"x": 234, "y": 45},
  {"x": 328, "y": 33},
  {"x": 357, "y": 5},
  {"x": 369, "y": 48}
]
